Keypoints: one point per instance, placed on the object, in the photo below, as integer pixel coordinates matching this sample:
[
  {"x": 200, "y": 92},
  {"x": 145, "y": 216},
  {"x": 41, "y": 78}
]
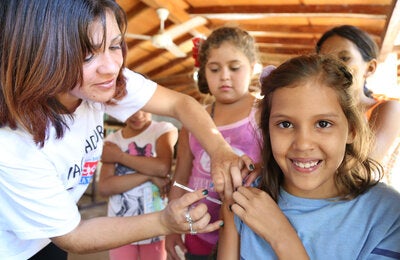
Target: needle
[{"x": 190, "y": 190}]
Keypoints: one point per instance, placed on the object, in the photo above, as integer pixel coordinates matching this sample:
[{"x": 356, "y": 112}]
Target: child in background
[
  {"x": 226, "y": 62},
  {"x": 359, "y": 52},
  {"x": 318, "y": 196},
  {"x": 142, "y": 151}
]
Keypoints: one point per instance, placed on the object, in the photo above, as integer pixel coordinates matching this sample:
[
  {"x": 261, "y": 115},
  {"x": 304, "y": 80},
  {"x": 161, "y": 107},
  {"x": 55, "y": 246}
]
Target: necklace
[{"x": 212, "y": 110}]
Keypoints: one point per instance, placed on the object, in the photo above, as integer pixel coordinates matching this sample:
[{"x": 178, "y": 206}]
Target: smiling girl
[{"x": 319, "y": 196}]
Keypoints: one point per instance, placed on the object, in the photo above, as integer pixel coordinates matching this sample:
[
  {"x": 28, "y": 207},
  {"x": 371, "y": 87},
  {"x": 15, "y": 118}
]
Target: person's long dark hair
[
  {"x": 362, "y": 40},
  {"x": 42, "y": 48}
]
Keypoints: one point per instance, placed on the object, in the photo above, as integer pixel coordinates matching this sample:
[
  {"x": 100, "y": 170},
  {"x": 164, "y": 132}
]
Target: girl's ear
[
  {"x": 371, "y": 68},
  {"x": 351, "y": 136}
]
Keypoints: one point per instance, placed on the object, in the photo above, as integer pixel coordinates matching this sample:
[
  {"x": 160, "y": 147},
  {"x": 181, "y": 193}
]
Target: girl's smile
[{"x": 305, "y": 165}]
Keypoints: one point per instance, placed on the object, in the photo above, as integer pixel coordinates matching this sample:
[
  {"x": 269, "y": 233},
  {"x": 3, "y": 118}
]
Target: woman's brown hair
[{"x": 42, "y": 49}]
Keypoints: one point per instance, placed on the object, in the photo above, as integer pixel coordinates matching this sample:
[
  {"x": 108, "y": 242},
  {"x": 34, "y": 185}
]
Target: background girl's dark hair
[
  {"x": 365, "y": 44},
  {"x": 363, "y": 41},
  {"x": 356, "y": 173},
  {"x": 238, "y": 37},
  {"x": 42, "y": 49}
]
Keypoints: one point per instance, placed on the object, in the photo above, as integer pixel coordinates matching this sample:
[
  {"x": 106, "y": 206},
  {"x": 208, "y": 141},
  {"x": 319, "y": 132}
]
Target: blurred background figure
[
  {"x": 135, "y": 174},
  {"x": 359, "y": 51}
]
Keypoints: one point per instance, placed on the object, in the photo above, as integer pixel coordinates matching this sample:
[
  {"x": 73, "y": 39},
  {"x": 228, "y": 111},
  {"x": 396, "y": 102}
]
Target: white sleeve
[
  {"x": 139, "y": 92},
  {"x": 164, "y": 127}
]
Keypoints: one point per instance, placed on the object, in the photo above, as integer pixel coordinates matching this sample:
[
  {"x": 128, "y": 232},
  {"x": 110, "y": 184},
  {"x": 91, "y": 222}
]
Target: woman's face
[
  {"x": 346, "y": 51},
  {"x": 228, "y": 73},
  {"x": 100, "y": 69}
]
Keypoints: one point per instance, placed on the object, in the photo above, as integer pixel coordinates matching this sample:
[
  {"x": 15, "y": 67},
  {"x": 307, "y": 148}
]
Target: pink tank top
[{"x": 245, "y": 137}]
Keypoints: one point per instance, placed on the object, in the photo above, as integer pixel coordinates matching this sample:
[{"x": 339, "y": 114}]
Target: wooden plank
[
  {"x": 391, "y": 31},
  {"x": 302, "y": 9}
]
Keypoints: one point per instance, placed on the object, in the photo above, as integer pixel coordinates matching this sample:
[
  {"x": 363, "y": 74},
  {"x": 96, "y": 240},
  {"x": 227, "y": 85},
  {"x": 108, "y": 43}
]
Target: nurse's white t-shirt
[{"x": 39, "y": 187}]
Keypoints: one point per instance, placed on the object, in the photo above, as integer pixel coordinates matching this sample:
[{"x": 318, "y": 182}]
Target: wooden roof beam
[
  {"x": 391, "y": 31},
  {"x": 292, "y": 9},
  {"x": 309, "y": 29}
]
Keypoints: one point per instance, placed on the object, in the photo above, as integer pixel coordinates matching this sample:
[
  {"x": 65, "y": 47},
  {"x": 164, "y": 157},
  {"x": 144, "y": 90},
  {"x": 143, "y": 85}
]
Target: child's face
[
  {"x": 139, "y": 120},
  {"x": 308, "y": 132},
  {"x": 228, "y": 73}
]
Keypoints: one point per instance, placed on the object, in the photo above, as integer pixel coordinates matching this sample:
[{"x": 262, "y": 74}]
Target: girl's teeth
[{"x": 306, "y": 165}]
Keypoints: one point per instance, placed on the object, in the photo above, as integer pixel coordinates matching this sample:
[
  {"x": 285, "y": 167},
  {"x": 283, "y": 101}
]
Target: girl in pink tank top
[{"x": 226, "y": 62}]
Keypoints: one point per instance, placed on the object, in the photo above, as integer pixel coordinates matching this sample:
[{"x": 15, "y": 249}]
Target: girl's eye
[
  {"x": 323, "y": 124},
  {"x": 214, "y": 69},
  {"x": 88, "y": 57},
  {"x": 234, "y": 68},
  {"x": 285, "y": 124},
  {"x": 116, "y": 47},
  {"x": 344, "y": 58}
]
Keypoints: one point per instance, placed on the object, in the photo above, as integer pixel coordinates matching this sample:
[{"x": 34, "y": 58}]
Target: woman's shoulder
[
  {"x": 386, "y": 101},
  {"x": 388, "y": 108},
  {"x": 392, "y": 104},
  {"x": 384, "y": 106}
]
